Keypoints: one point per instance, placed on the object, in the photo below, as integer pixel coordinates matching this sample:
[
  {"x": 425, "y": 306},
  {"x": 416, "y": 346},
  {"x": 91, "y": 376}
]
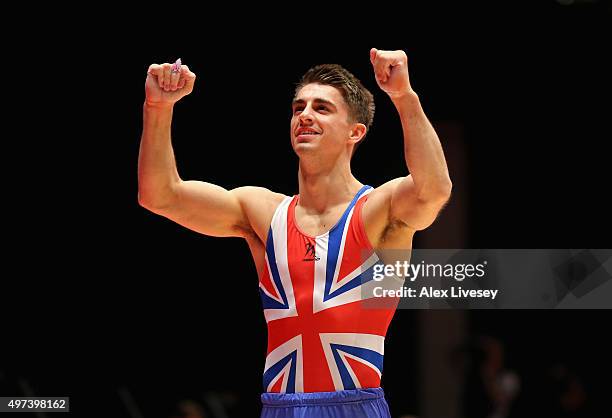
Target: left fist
[{"x": 391, "y": 71}]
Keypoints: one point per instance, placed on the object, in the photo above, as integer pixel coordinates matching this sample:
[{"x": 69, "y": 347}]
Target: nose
[{"x": 305, "y": 116}]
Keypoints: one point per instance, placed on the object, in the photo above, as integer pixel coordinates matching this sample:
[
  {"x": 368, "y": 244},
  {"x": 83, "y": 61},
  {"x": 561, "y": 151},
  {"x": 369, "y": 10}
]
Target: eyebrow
[{"x": 316, "y": 100}]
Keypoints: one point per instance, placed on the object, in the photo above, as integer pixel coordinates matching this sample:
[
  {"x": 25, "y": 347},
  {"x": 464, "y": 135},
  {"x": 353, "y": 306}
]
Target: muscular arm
[
  {"x": 418, "y": 198},
  {"x": 200, "y": 206},
  {"x": 414, "y": 200}
]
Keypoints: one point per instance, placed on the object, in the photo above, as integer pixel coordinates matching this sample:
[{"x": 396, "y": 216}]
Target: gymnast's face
[{"x": 320, "y": 122}]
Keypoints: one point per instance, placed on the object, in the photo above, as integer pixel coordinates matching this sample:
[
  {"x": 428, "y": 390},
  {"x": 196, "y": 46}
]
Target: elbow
[
  {"x": 441, "y": 193},
  {"x": 143, "y": 201},
  {"x": 146, "y": 201},
  {"x": 446, "y": 189},
  {"x": 155, "y": 196},
  {"x": 152, "y": 203}
]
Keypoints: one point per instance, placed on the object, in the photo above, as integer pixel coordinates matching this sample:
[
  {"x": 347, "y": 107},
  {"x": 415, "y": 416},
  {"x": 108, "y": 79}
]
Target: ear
[{"x": 358, "y": 131}]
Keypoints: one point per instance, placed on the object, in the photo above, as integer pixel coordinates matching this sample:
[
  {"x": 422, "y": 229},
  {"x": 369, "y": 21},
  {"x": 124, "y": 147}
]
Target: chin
[
  {"x": 304, "y": 147},
  {"x": 302, "y": 144}
]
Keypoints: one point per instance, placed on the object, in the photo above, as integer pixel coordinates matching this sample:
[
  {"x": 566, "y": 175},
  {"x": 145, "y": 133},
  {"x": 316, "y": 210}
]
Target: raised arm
[
  {"x": 414, "y": 200},
  {"x": 200, "y": 206}
]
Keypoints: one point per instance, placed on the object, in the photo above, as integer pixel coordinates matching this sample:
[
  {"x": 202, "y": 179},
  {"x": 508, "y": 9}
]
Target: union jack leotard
[{"x": 320, "y": 336}]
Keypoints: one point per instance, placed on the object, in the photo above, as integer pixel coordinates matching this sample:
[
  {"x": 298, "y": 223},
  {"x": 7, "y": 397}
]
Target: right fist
[{"x": 164, "y": 87}]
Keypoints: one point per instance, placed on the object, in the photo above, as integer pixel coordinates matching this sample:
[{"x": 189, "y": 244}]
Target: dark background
[{"x": 104, "y": 298}]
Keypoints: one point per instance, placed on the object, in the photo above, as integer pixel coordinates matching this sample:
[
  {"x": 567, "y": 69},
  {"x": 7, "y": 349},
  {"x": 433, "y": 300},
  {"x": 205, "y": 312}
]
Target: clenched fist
[
  {"x": 391, "y": 71},
  {"x": 166, "y": 87}
]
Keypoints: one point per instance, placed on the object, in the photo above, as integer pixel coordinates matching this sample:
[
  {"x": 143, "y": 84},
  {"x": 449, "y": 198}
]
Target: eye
[
  {"x": 323, "y": 108},
  {"x": 297, "y": 110}
]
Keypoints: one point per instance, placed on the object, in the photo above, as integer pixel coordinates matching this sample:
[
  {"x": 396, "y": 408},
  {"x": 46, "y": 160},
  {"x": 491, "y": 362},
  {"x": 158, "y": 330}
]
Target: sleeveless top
[{"x": 321, "y": 337}]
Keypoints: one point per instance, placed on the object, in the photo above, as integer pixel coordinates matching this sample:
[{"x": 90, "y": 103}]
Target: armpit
[{"x": 394, "y": 228}]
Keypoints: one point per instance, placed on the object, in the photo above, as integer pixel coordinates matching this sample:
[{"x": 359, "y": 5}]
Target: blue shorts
[{"x": 358, "y": 403}]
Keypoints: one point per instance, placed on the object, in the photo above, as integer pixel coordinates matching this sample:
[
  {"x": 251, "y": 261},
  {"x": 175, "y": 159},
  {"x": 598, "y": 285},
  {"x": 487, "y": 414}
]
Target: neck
[{"x": 323, "y": 187}]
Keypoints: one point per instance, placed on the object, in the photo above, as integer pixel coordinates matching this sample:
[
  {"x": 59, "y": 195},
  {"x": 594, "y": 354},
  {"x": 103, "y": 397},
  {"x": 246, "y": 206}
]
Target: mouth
[{"x": 306, "y": 135}]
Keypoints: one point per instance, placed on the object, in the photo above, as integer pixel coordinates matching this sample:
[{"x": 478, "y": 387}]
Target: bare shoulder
[
  {"x": 382, "y": 229},
  {"x": 258, "y": 204},
  {"x": 258, "y": 198},
  {"x": 379, "y": 202}
]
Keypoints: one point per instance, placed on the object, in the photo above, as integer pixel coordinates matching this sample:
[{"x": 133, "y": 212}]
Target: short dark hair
[{"x": 359, "y": 99}]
